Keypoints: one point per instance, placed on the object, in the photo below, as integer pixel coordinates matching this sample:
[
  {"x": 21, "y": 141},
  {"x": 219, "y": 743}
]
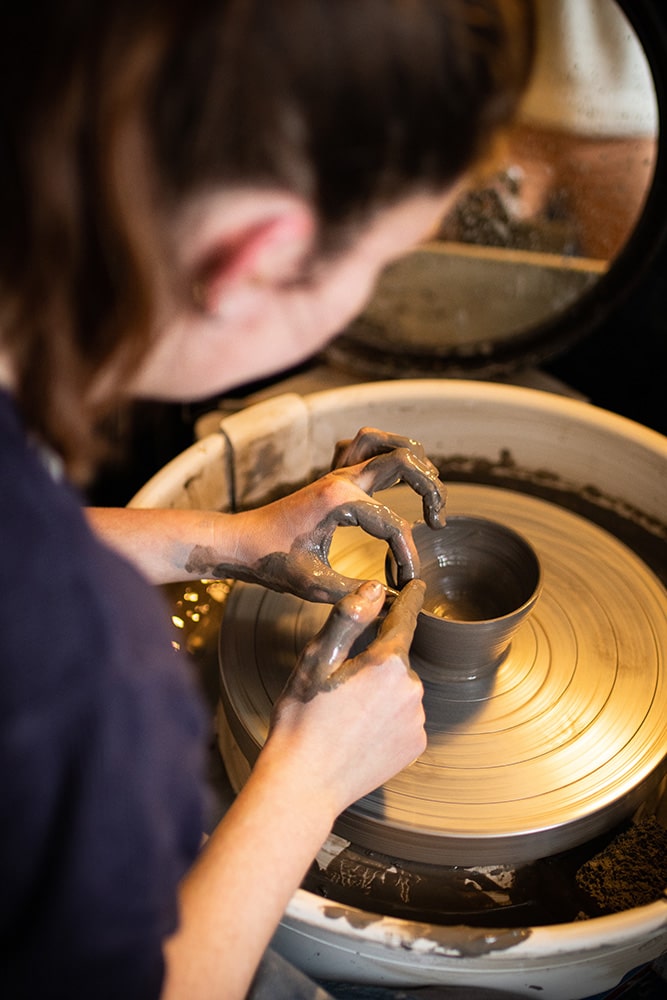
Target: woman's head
[
  {"x": 153, "y": 150},
  {"x": 350, "y": 104}
]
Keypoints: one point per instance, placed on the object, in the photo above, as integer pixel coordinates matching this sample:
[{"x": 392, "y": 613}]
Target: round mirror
[{"x": 552, "y": 228}]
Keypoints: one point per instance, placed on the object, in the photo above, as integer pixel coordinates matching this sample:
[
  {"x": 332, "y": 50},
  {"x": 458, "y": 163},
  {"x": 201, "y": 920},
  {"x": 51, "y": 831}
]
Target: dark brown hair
[{"x": 113, "y": 113}]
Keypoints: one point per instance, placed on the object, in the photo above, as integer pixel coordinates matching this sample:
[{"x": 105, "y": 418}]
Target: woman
[{"x": 195, "y": 194}]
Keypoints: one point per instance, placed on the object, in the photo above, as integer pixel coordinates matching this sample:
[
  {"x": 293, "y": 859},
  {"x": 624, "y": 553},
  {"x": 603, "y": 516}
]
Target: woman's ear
[{"x": 245, "y": 255}]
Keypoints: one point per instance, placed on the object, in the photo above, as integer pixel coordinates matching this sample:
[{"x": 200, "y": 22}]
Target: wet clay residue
[
  {"x": 462, "y": 942},
  {"x": 630, "y": 871},
  {"x": 621, "y": 869},
  {"x": 260, "y": 465}
]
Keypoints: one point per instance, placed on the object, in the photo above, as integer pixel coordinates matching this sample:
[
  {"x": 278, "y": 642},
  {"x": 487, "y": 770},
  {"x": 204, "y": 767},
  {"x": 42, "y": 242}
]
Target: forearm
[
  {"x": 161, "y": 542},
  {"x": 337, "y": 734},
  {"x": 234, "y": 897},
  {"x": 285, "y": 544}
]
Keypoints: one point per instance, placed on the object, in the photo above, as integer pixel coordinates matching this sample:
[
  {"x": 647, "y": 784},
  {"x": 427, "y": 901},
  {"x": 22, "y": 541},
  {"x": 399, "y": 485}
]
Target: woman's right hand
[
  {"x": 342, "y": 727},
  {"x": 349, "y": 724}
]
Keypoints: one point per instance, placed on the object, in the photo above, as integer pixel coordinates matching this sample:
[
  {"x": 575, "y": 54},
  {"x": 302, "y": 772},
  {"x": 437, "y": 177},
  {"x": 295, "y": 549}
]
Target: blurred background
[{"x": 548, "y": 272}]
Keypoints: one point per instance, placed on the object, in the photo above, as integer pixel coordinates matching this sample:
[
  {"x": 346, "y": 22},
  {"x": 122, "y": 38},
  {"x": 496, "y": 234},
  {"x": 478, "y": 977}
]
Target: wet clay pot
[{"x": 482, "y": 580}]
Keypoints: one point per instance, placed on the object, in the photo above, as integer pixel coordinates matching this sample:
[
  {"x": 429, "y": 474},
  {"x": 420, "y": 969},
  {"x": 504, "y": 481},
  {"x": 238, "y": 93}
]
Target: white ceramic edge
[
  {"x": 403, "y": 390},
  {"x": 195, "y": 479},
  {"x": 337, "y": 412},
  {"x": 566, "y": 962},
  {"x": 541, "y": 942},
  {"x": 325, "y": 417}
]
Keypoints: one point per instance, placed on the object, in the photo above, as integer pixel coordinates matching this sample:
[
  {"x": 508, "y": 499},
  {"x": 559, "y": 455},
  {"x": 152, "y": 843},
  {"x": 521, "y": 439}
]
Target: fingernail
[
  {"x": 371, "y": 589},
  {"x": 441, "y": 517}
]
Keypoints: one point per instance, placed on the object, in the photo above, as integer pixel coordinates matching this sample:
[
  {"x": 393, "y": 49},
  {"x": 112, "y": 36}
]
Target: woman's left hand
[{"x": 285, "y": 545}]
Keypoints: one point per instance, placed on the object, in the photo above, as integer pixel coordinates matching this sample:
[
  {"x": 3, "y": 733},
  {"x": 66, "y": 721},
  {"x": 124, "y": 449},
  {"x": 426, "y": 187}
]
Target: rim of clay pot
[{"x": 486, "y": 522}]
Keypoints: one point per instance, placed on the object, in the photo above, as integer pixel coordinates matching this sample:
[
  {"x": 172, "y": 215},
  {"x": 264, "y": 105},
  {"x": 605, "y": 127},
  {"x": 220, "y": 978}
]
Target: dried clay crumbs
[{"x": 630, "y": 871}]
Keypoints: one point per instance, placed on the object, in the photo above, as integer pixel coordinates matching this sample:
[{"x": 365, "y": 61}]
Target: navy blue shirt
[{"x": 101, "y": 750}]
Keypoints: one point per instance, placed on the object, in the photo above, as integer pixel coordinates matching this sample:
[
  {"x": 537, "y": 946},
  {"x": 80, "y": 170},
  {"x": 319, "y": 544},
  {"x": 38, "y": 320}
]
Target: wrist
[
  {"x": 236, "y": 538},
  {"x": 298, "y": 788}
]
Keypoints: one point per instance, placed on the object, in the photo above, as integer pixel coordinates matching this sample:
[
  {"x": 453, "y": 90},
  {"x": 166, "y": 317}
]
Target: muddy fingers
[
  {"x": 398, "y": 626},
  {"x": 402, "y": 465},
  {"x": 329, "y": 649},
  {"x": 368, "y": 442},
  {"x": 393, "y": 638}
]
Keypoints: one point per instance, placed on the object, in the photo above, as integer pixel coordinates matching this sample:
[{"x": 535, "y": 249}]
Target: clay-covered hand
[
  {"x": 285, "y": 545},
  {"x": 352, "y": 722},
  {"x": 370, "y": 441},
  {"x": 421, "y": 473}
]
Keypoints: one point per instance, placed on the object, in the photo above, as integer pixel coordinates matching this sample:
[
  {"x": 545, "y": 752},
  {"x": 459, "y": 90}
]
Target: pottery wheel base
[{"x": 561, "y": 744}]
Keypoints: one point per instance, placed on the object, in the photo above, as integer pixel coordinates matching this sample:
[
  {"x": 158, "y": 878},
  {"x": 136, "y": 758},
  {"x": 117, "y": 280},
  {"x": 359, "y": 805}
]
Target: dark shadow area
[{"x": 622, "y": 364}]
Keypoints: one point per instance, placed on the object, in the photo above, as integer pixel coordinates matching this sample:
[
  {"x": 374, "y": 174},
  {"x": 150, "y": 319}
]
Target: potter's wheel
[{"x": 560, "y": 745}]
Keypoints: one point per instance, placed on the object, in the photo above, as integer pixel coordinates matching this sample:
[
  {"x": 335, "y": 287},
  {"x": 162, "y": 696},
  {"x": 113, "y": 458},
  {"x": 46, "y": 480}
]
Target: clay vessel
[{"x": 482, "y": 580}]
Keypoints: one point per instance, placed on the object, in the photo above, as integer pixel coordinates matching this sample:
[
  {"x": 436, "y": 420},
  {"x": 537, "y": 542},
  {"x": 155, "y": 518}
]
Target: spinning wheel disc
[{"x": 560, "y": 744}]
